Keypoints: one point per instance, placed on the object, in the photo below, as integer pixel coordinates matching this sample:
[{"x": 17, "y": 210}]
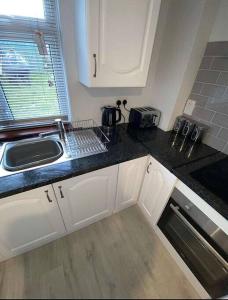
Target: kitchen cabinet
[
  {"x": 29, "y": 220},
  {"x": 114, "y": 41},
  {"x": 87, "y": 198},
  {"x": 36, "y": 217},
  {"x": 156, "y": 189},
  {"x": 130, "y": 178}
]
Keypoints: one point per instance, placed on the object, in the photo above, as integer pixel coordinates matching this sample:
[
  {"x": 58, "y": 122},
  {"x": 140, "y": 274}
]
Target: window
[
  {"x": 32, "y": 81},
  {"x": 22, "y": 8}
]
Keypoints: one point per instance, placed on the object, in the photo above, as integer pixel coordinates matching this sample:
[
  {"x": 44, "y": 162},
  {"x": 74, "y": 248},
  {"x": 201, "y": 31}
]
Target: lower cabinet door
[
  {"x": 29, "y": 220},
  {"x": 130, "y": 178},
  {"x": 156, "y": 189},
  {"x": 87, "y": 198}
]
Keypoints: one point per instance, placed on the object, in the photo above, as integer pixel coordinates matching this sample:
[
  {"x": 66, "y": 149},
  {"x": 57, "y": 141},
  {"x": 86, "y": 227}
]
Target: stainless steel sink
[
  {"x": 83, "y": 138},
  {"x": 22, "y": 155}
]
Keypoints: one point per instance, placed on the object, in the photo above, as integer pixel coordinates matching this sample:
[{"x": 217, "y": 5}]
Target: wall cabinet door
[
  {"x": 130, "y": 178},
  {"x": 156, "y": 189},
  {"x": 87, "y": 198},
  {"x": 29, "y": 220},
  {"x": 115, "y": 40}
]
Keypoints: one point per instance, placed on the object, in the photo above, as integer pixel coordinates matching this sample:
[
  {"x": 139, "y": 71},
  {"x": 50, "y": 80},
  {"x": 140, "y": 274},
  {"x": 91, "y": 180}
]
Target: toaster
[{"x": 144, "y": 117}]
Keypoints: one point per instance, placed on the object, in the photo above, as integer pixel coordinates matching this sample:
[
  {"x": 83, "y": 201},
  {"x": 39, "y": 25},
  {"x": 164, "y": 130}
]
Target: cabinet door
[
  {"x": 130, "y": 177},
  {"x": 120, "y": 41},
  {"x": 29, "y": 220},
  {"x": 156, "y": 189},
  {"x": 87, "y": 198}
]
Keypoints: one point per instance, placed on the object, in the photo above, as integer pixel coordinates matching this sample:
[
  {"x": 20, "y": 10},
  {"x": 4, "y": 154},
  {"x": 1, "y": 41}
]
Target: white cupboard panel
[
  {"x": 120, "y": 36},
  {"x": 87, "y": 198},
  {"x": 28, "y": 220},
  {"x": 130, "y": 178},
  {"x": 157, "y": 187}
]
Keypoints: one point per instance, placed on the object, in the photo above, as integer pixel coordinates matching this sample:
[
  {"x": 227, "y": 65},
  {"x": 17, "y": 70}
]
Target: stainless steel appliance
[
  {"x": 199, "y": 241},
  {"x": 144, "y": 117},
  {"x": 109, "y": 116}
]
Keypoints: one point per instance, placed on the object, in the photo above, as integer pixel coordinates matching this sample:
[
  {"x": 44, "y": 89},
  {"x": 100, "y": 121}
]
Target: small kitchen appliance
[
  {"x": 109, "y": 116},
  {"x": 144, "y": 117}
]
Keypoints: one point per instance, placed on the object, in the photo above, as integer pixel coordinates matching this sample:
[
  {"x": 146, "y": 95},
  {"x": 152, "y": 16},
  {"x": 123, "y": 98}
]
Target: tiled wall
[{"x": 210, "y": 91}]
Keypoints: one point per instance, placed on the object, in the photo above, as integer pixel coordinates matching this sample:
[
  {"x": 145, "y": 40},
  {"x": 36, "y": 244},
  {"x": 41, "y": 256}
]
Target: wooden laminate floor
[{"x": 119, "y": 257}]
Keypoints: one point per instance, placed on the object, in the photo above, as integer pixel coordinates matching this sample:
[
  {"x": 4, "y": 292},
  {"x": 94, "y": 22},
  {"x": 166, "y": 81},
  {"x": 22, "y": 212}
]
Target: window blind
[{"x": 32, "y": 79}]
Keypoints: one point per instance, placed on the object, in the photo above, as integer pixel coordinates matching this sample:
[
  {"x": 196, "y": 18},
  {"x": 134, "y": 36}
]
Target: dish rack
[{"x": 85, "y": 138}]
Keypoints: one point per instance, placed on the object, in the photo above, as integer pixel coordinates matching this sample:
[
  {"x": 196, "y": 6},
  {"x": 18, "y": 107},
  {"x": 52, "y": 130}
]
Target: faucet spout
[{"x": 61, "y": 129}]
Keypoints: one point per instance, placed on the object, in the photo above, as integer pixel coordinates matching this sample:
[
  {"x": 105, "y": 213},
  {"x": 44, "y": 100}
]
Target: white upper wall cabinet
[{"x": 114, "y": 41}]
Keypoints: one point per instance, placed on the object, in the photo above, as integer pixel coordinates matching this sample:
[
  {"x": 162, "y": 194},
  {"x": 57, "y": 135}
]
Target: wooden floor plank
[{"x": 119, "y": 257}]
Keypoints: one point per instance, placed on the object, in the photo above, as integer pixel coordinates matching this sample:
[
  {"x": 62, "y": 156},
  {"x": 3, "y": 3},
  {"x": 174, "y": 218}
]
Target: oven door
[{"x": 209, "y": 266}]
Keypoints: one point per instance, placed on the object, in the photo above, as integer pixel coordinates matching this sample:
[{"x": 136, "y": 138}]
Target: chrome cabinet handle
[
  {"x": 148, "y": 168},
  {"x": 95, "y": 65},
  {"x": 48, "y": 197},
  {"x": 61, "y": 192}
]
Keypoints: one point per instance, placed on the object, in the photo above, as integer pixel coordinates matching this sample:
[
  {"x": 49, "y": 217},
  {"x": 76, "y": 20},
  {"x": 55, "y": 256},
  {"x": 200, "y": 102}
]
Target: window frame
[
  {"x": 6, "y": 106},
  {"x": 23, "y": 29}
]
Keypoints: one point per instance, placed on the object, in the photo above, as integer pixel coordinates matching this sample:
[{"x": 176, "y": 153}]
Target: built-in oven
[{"x": 200, "y": 242}]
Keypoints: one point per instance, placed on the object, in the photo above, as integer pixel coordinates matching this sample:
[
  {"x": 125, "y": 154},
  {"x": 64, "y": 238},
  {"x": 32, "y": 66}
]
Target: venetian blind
[{"x": 32, "y": 79}]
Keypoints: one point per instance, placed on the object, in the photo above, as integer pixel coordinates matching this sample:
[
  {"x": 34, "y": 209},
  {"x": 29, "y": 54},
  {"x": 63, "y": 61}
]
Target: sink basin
[{"x": 31, "y": 153}]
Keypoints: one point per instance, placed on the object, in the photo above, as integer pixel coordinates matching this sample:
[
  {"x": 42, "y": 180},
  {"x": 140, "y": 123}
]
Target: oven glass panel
[{"x": 212, "y": 274}]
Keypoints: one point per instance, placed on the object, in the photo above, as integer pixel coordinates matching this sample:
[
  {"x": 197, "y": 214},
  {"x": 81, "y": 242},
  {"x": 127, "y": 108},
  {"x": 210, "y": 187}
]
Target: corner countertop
[
  {"x": 184, "y": 174},
  {"x": 126, "y": 144}
]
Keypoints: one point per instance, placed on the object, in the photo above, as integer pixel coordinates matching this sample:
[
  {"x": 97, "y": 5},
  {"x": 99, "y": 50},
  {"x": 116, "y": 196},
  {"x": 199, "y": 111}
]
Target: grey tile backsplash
[{"x": 210, "y": 91}]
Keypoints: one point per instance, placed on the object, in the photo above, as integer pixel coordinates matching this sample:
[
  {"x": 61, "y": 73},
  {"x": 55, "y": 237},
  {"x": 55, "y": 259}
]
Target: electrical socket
[
  {"x": 189, "y": 107},
  {"x": 118, "y": 103}
]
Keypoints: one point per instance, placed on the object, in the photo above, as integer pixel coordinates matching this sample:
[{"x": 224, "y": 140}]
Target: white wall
[
  {"x": 188, "y": 27},
  {"x": 179, "y": 45},
  {"x": 220, "y": 28}
]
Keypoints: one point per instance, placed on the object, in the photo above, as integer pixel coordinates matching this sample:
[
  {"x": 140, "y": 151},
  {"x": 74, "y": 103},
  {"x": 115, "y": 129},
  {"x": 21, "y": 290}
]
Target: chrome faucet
[{"x": 61, "y": 129}]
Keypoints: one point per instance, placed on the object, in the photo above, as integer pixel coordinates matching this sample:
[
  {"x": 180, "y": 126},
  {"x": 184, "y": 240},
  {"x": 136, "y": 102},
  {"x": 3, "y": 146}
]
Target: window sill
[{"x": 22, "y": 133}]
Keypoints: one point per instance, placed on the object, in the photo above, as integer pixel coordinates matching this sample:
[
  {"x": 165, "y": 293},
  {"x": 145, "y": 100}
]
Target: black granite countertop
[
  {"x": 126, "y": 144},
  {"x": 169, "y": 149},
  {"x": 187, "y": 174},
  {"x": 122, "y": 147}
]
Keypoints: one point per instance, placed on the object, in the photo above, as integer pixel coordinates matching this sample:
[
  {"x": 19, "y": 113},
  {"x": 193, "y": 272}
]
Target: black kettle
[{"x": 109, "y": 115}]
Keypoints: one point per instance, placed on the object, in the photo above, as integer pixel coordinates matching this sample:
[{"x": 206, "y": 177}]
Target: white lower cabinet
[
  {"x": 130, "y": 178},
  {"x": 29, "y": 220},
  {"x": 34, "y": 218},
  {"x": 156, "y": 189},
  {"x": 87, "y": 198}
]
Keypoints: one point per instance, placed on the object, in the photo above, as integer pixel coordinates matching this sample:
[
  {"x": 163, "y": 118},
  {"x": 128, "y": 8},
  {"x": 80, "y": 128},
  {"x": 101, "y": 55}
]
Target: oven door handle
[{"x": 199, "y": 236}]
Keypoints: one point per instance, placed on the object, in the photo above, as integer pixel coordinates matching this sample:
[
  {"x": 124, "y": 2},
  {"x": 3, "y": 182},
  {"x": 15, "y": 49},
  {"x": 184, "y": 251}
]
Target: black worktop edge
[{"x": 130, "y": 148}]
